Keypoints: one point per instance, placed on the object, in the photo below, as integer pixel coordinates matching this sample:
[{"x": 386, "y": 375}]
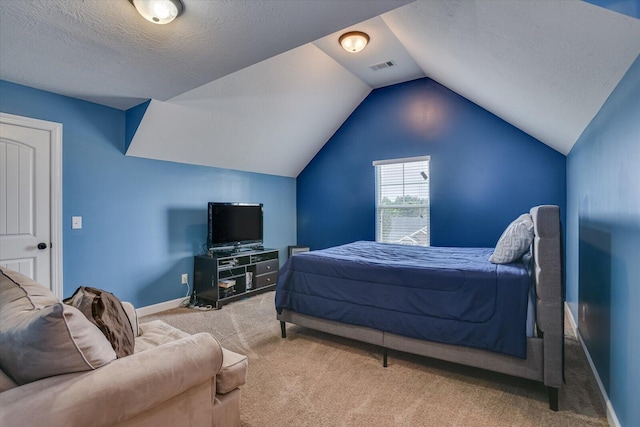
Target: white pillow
[
  {"x": 515, "y": 241},
  {"x": 42, "y": 337}
]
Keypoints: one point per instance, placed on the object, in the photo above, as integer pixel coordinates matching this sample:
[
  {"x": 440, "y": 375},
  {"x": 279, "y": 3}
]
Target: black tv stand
[
  {"x": 253, "y": 271},
  {"x": 234, "y": 251},
  {"x": 247, "y": 249}
]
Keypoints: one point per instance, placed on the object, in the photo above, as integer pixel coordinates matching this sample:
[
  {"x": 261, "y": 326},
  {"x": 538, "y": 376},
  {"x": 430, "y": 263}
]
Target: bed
[{"x": 446, "y": 303}]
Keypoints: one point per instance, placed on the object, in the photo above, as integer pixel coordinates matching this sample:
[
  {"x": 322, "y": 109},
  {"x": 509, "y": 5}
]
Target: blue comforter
[{"x": 449, "y": 295}]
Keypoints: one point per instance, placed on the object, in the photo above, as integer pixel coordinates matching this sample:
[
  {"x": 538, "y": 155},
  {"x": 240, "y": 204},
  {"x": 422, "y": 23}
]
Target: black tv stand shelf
[{"x": 252, "y": 272}]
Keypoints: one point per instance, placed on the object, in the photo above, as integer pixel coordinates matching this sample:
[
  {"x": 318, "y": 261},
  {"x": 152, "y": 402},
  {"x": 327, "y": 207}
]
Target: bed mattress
[{"x": 449, "y": 295}]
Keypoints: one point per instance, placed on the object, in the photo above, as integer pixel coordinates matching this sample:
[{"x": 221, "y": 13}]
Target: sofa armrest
[
  {"x": 117, "y": 391},
  {"x": 132, "y": 314}
]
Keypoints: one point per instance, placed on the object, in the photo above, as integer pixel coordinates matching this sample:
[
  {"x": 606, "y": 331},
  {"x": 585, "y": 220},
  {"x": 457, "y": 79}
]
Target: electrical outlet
[{"x": 185, "y": 278}]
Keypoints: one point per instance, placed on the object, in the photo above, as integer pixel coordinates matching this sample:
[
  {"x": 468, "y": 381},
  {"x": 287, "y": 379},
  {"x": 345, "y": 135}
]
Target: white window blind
[{"x": 402, "y": 201}]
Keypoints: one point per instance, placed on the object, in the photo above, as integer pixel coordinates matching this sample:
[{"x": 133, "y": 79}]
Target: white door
[{"x": 29, "y": 149}]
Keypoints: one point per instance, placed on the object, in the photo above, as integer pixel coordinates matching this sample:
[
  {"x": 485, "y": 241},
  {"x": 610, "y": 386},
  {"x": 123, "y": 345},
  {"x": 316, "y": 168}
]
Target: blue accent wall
[
  {"x": 133, "y": 118},
  {"x": 626, "y": 7},
  {"x": 603, "y": 243},
  {"x": 484, "y": 171},
  {"x": 143, "y": 220}
]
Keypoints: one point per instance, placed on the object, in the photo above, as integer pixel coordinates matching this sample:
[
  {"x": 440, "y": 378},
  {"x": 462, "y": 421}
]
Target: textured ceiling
[
  {"x": 103, "y": 51},
  {"x": 262, "y": 85},
  {"x": 383, "y": 47}
]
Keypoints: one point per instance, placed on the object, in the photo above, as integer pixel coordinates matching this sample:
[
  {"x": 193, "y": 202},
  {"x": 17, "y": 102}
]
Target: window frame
[{"x": 379, "y": 186}]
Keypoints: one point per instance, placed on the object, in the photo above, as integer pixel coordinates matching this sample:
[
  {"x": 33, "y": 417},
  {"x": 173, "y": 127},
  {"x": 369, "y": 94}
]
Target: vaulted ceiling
[{"x": 262, "y": 85}]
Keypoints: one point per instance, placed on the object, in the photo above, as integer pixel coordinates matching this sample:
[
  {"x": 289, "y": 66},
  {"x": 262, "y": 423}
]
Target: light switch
[{"x": 76, "y": 222}]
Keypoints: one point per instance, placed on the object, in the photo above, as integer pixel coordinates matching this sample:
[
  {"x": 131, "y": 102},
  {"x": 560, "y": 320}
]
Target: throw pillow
[
  {"x": 105, "y": 311},
  {"x": 514, "y": 241},
  {"x": 41, "y": 337}
]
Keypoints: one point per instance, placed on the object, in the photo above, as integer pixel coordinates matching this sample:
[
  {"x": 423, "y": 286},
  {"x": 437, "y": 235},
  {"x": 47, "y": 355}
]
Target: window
[{"x": 402, "y": 201}]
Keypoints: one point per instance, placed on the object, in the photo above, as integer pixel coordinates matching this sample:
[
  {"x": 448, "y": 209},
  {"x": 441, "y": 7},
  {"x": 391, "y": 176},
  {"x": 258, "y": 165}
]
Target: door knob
[{"x": 42, "y": 246}]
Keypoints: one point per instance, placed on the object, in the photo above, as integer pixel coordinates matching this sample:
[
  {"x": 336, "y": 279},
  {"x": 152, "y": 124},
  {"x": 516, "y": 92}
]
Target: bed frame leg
[
  {"x": 553, "y": 398},
  {"x": 283, "y": 329},
  {"x": 384, "y": 357}
]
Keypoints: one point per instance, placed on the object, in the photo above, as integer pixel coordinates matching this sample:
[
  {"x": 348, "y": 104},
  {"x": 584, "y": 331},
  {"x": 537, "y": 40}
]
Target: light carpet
[{"x": 316, "y": 379}]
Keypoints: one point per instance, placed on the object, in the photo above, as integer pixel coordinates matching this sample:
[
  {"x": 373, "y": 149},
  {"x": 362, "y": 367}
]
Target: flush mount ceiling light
[
  {"x": 158, "y": 11},
  {"x": 354, "y": 41}
]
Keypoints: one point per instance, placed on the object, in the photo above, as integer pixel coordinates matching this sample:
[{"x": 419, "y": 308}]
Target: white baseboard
[
  {"x": 157, "y": 308},
  {"x": 612, "y": 418}
]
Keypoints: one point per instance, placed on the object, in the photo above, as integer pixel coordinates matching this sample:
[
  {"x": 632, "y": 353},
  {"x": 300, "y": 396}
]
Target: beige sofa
[{"x": 56, "y": 369}]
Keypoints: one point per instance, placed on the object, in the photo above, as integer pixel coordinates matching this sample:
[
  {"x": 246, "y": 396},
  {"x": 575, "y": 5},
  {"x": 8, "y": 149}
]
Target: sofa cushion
[
  {"x": 233, "y": 373},
  {"x": 133, "y": 317},
  {"x": 155, "y": 333},
  {"x": 41, "y": 336},
  {"x": 105, "y": 310},
  {"x": 6, "y": 383}
]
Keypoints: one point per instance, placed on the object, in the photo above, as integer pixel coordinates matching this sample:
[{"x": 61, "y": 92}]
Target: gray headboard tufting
[{"x": 548, "y": 273}]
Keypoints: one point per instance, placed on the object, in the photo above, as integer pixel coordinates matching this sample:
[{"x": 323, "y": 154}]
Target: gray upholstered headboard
[{"x": 548, "y": 276}]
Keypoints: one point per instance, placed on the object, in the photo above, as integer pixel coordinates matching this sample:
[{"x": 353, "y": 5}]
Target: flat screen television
[{"x": 234, "y": 225}]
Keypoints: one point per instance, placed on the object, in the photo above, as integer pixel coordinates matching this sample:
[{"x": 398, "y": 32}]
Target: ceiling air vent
[{"x": 382, "y": 65}]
